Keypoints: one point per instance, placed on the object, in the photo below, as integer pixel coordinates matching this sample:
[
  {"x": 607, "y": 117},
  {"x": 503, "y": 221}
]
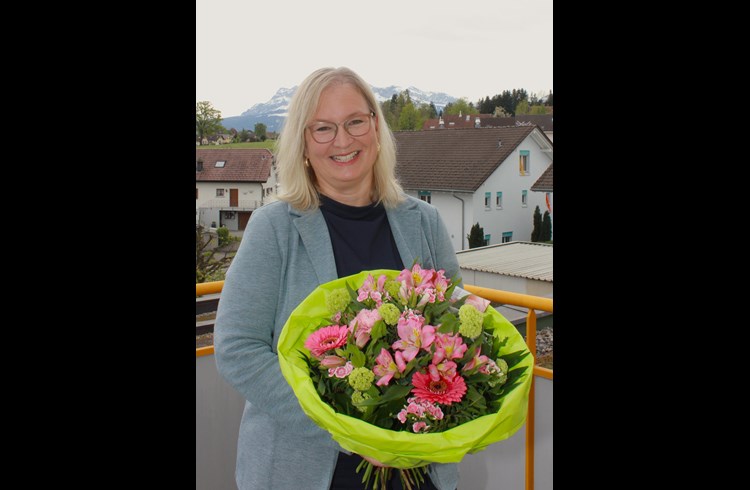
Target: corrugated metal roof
[{"x": 518, "y": 259}]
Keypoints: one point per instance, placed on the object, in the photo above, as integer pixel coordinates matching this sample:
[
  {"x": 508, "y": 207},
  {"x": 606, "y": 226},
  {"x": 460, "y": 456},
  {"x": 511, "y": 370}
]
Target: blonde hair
[{"x": 298, "y": 180}]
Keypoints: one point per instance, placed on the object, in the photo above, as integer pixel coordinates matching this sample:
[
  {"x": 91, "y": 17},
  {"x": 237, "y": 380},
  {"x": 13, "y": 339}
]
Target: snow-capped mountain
[{"x": 273, "y": 112}]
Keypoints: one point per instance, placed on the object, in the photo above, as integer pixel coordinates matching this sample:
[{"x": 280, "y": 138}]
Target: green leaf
[{"x": 379, "y": 329}]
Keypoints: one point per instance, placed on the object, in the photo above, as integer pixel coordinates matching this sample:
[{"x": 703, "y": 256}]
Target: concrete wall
[{"x": 218, "y": 409}]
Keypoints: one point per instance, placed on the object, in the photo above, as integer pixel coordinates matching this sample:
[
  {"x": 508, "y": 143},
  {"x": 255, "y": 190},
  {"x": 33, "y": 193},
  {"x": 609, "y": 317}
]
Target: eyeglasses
[{"x": 325, "y": 132}]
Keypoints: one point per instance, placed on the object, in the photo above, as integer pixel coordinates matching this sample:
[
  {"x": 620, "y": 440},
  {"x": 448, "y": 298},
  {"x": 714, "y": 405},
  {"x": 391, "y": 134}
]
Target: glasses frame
[{"x": 371, "y": 114}]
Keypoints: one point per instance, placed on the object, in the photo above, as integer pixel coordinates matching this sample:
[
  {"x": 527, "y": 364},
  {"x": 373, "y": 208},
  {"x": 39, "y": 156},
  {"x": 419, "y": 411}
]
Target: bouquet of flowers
[{"x": 406, "y": 368}]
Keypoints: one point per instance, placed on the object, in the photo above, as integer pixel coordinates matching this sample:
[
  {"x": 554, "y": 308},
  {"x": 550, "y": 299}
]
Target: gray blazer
[{"x": 283, "y": 256}]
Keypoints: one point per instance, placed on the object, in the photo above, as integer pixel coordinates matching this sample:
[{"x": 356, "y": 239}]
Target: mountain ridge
[{"x": 272, "y": 113}]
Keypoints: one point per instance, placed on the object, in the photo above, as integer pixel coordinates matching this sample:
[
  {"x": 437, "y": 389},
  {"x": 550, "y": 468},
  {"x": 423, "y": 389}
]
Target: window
[
  {"x": 220, "y": 163},
  {"x": 426, "y": 196},
  {"x": 507, "y": 236},
  {"x": 220, "y": 192},
  {"x": 499, "y": 200},
  {"x": 487, "y": 197},
  {"x": 523, "y": 162},
  {"x": 486, "y": 240},
  {"x": 196, "y": 193},
  {"x": 524, "y": 202}
]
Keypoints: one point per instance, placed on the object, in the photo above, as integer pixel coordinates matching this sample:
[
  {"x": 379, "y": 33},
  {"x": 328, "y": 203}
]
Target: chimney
[
  {"x": 477, "y": 123},
  {"x": 441, "y": 123},
  {"x": 199, "y": 166},
  {"x": 468, "y": 117}
]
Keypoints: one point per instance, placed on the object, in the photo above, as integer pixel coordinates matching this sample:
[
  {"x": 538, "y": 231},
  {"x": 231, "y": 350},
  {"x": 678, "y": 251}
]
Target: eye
[
  {"x": 355, "y": 122},
  {"x": 322, "y": 128}
]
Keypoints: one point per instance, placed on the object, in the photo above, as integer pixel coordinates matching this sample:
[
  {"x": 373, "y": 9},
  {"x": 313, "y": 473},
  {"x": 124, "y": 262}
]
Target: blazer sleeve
[{"x": 244, "y": 329}]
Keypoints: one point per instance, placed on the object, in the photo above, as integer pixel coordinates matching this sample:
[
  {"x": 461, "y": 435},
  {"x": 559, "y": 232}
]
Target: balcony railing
[{"x": 532, "y": 303}]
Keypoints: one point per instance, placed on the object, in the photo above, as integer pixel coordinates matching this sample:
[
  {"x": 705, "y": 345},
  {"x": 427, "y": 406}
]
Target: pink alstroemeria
[
  {"x": 480, "y": 304},
  {"x": 444, "y": 369},
  {"x": 332, "y": 361},
  {"x": 478, "y": 361},
  {"x": 414, "y": 335},
  {"x": 417, "y": 278},
  {"x": 362, "y": 324},
  {"x": 448, "y": 347},
  {"x": 441, "y": 285},
  {"x": 386, "y": 368},
  {"x": 370, "y": 290}
]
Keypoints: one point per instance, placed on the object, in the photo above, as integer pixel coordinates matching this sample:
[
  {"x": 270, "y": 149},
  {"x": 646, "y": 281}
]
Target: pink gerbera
[
  {"x": 444, "y": 390},
  {"x": 327, "y": 338}
]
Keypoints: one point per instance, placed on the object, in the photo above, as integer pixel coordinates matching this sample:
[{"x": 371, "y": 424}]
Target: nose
[{"x": 343, "y": 138}]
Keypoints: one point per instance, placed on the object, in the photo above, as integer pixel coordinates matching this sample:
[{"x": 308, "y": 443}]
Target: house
[
  {"x": 544, "y": 121},
  {"x": 231, "y": 184},
  {"x": 544, "y": 184},
  {"x": 477, "y": 175}
]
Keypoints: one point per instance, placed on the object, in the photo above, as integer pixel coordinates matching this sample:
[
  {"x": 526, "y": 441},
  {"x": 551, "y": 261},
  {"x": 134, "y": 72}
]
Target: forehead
[{"x": 339, "y": 101}]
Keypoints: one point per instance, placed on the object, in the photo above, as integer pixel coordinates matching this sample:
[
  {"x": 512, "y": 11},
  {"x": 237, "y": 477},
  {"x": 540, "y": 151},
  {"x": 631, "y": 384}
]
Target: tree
[
  {"x": 409, "y": 120},
  {"x": 537, "y": 231},
  {"x": 522, "y": 108},
  {"x": 460, "y": 106},
  {"x": 546, "y": 234},
  {"x": 207, "y": 266},
  {"x": 260, "y": 131},
  {"x": 538, "y": 109},
  {"x": 433, "y": 111},
  {"x": 207, "y": 120},
  {"x": 244, "y": 135},
  {"x": 476, "y": 236}
]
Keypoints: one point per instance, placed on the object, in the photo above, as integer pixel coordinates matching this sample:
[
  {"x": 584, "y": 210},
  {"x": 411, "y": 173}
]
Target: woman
[{"x": 341, "y": 211}]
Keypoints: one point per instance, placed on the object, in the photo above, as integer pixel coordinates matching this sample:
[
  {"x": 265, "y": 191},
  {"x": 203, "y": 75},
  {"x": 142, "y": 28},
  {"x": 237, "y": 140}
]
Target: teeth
[{"x": 345, "y": 158}]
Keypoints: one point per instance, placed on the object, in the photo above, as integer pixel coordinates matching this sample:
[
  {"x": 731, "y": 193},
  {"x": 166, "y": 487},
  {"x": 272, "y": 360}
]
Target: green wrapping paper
[{"x": 400, "y": 449}]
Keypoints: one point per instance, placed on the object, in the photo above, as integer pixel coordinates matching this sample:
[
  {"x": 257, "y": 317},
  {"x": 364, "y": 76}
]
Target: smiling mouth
[{"x": 345, "y": 158}]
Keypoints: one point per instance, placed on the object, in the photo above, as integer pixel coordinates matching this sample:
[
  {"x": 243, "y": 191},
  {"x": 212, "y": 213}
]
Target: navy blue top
[{"x": 361, "y": 237}]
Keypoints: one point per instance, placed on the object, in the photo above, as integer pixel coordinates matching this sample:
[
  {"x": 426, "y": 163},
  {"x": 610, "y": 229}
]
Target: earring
[{"x": 307, "y": 162}]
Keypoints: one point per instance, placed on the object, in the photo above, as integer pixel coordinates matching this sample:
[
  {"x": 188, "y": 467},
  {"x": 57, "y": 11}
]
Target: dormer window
[
  {"x": 199, "y": 166},
  {"x": 220, "y": 163}
]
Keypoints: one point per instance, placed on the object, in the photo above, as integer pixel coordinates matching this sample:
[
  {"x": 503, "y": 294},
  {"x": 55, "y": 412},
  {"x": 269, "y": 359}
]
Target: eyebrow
[{"x": 368, "y": 112}]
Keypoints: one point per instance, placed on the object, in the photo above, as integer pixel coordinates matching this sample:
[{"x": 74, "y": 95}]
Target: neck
[{"x": 350, "y": 197}]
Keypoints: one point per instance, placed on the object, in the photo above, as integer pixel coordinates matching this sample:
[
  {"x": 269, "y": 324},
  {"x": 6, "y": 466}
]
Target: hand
[{"x": 374, "y": 462}]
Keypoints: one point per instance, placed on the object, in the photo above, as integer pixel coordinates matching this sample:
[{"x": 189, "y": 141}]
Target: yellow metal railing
[
  {"x": 532, "y": 303},
  {"x": 496, "y": 296}
]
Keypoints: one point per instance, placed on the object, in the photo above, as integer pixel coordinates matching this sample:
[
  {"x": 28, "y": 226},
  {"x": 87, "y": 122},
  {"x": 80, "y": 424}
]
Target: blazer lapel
[
  {"x": 313, "y": 231},
  {"x": 405, "y": 223}
]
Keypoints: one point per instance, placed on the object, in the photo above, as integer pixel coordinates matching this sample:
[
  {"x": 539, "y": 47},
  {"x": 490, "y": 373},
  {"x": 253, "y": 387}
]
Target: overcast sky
[{"x": 247, "y": 49}]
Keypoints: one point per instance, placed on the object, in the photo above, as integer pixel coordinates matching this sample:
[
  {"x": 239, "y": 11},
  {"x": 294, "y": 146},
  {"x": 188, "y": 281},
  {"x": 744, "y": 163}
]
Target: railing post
[{"x": 531, "y": 343}]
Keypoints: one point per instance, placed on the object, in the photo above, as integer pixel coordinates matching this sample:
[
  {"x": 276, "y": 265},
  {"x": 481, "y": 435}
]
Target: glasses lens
[
  {"x": 358, "y": 126},
  {"x": 323, "y": 132}
]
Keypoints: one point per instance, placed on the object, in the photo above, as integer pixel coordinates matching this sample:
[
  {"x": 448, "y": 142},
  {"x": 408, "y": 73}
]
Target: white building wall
[
  {"x": 207, "y": 206},
  {"x": 513, "y": 217},
  {"x": 450, "y": 208}
]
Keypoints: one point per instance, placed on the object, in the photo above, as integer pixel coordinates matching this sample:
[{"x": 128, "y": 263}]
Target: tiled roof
[
  {"x": 459, "y": 160},
  {"x": 544, "y": 182},
  {"x": 544, "y": 121},
  {"x": 242, "y": 165},
  {"x": 455, "y": 122},
  {"x": 518, "y": 259}
]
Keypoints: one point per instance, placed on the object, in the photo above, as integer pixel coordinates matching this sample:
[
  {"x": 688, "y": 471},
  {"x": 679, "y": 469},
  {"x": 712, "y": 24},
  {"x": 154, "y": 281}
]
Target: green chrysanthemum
[
  {"x": 471, "y": 321},
  {"x": 359, "y": 397},
  {"x": 501, "y": 375},
  {"x": 361, "y": 378},
  {"x": 390, "y": 313},
  {"x": 392, "y": 287},
  {"x": 338, "y": 300}
]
